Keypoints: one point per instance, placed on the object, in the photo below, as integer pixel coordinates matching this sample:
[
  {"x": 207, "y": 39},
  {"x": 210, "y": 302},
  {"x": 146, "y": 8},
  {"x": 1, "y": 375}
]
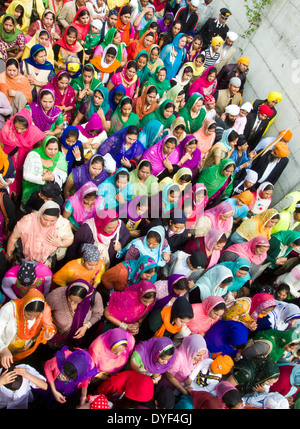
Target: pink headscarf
[
  {"x": 80, "y": 213},
  {"x": 201, "y": 322},
  {"x": 210, "y": 240},
  {"x": 183, "y": 365},
  {"x": 214, "y": 215},
  {"x": 155, "y": 155},
  {"x": 126, "y": 305},
  {"x": 246, "y": 249},
  {"x": 102, "y": 220},
  {"x": 222, "y": 388},
  {"x": 260, "y": 302}
]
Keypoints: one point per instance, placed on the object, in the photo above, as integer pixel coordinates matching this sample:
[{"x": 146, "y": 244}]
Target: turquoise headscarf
[
  {"x": 136, "y": 267},
  {"x": 108, "y": 190},
  {"x": 104, "y": 105},
  {"x": 234, "y": 267},
  {"x": 149, "y": 135},
  {"x": 168, "y": 206}
]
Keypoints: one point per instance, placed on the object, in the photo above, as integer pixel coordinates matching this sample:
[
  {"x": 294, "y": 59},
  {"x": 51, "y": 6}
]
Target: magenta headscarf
[
  {"x": 201, "y": 84},
  {"x": 214, "y": 215},
  {"x": 260, "y": 302},
  {"x": 183, "y": 365},
  {"x": 201, "y": 322},
  {"x": 150, "y": 351},
  {"x": 126, "y": 305},
  {"x": 155, "y": 155},
  {"x": 246, "y": 249},
  {"x": 196, "y": 155},
  {"x": 101, "y": 350},
  {"x": 210, "y": 240},
  {"x": 94, "y": 123},
  {"x": 80, "y": 213}
]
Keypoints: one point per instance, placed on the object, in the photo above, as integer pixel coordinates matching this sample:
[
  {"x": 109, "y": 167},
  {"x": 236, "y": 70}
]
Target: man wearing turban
[
  {"x": 239, "y": 69},
  {"x": 257, "y": 121},
  {"x": 228, "y": 96},
  {"x": 271, "y": 101}
]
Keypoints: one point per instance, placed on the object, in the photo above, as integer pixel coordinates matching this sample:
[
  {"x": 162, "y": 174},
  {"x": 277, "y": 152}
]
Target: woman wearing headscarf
[
  {"x": 85, "y": 86},
  {"x": 25, "y": 323},
  {"x": 164, "y": 114},
  {"x": 128, "y": 308},
  {"x": 88, "y": 267},
  {"x": 288, "y": 382},
  {"x": 43, "y": 165},
  {"x": 115, "y": 96},
  {"x": 190, "y": 155},
  {"x": 193, "y": 113},
  {"x": 91, "y": 134},
  {"x": 116, "y": 189},
  {"x": 123, "y": 116},
  {"x": 47, "y": 23},
  {"x": 258, "y": 225},
  {"x": 106, "y": 231},
  {"x": 182, "y": 80},
  {"x": 113, "y": 37},
  {"x": 83, "y": 205},
  {"x": 205, "y": 137},
  {"x": 249, "y": 310},
  {"x": 173, "y": 55},
  {"x": 130, "y": 272},
  {"x": 214, "y": 282},
  {"x": 67, "y": 45},
  {"x": 262, "y": 198},
  {"x": 191, "y": 351},
  {"x": 64, "y": 94},
  {"x": 123, "y": 24},
  {"x": 142, "y": 179},
  {"x": 154, "y": 60},
  {"x": 168, "y": 321},
  {"x": 164, "y": 202},
  {"x": 222, "y": 149},
  {"x": 175, "y": 94},
  {"x": 159, "y": 80},
  {"x": 162, "y": 155},
  {"x": 218, "y": 217},
  {"x": 146, "y": 103},
  {"x": 218, "y": 179},
  {"x": 206, "y": 314},
  {"x": 18, "y": 137},
  {"x": 128, "y": 78},
  {"x": 110, "y": 351},
  {"x": 240, "y": 269},
  {"x": 142, "y": 44},
  {"x": 81, "y": 22},
  {"x": 210, "y": 244},
  {"x": 75, "y": 309},
  {"x": 12, "y": 40},
  {"x": 282, "y": 244},
  {"x": 169, "y": 290},
  {"x": 206, "y": 84},
  {"x": 42, "y": 236},
  {"x": 197, "y": 65},
  {"x": 106, "y": 64},
  {"x": 16, "y": 9},
  {"x": 249, "y": 374},
  {"x": 182, "y": 178},
  {"x": 124, "y": 147},
  {"x": 255, "y": 250},
  {"x": 71, "y": 147},
  {"x": 282, "y": 317},
  {"x": 151, "y": 133}
]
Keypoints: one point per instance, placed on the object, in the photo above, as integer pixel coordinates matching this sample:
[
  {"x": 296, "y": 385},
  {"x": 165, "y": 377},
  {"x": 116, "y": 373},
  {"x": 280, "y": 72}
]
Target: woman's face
[
  {"x": 84, "y": 19},
  {"x": 233, "y": 142},
  {"x": 211, "y": 77},
  {"x": 144, "y": 173},
  {"x": 181, "y": 322},
  {"x": 147, "y": 301},
  {"x": 12, "y": 71},
  {"x": 130, "y": 139},
  {"x": 271, "y": 223},
  {"x": 31, "y": 315},
  {"x": 89, "y": 202},
  {"x": 8, "y": 26},
  {"x": 199, "y": 62},
  {"x": 17, "y": 12},
  {"x": 63, "y": 83},
  {"x": 87, "y": 76},
  {"x": 48, "y": 20},
  {"x": 98, "y": 98},
  {"x": 111, "y": 227},
  {"x": 152, "y": 243},
  {"x": 95, "y": 169},
  {"x": 71, "y": 38},
  {"x": 260, "y": 250},
  {"x": 118, "y": 350},
  {"x": 126, "y": 109},
  {"x": 40, "y": 57},
  {"x": 20, "y": 128},
  {"x": 176, "y": 29},
  {"x": 226, "y": 216},
  {"x": 281, "y": 295},
  {"x": 43, "y": 40},
  {"x": 118, "y": 98},
  {"x": 130, "y": 72},
  {"x": 163, "y": 360},
  {"x": 162, "y": 75},
  {"x": 176, "y": 227},
  {"x": 47, "y": 221},
  {"x": 228, "y": 172},
  {"x": 219, "y": 246},
  {"x": 199, "y": 356},
  {"x": 71, "y": 140},
  {"x": 141, "y": 62},
  {"x": 117, "y": 38},
  {"x": 168, "y": 112},
  {"x": 154, "y": 55},
  {"x": 267, "y": 194},
  {"x": 146, "y": 276},
  {"x": 73, "y": 301},
  {"x": 216, "y": 314},
  {"x": 182, "y": 42},
  {"x": 187, "y": 76},
  {"x": 197, "y": 106},
  {"x": 125, "y": 18},
  {"x": 90, "y": 265},
  {"x": 168, "y": 148},
  {"x": 197, "y": 44},
  {"x": 148, "y": 40},
  {"x": 271, "y": 381},
  {"x": 178, "y": 132},
  {"x": 51, "y": 149},
  {"x": 109, "y": 58},
  {"x": 191, "y": 148},
  {"x": 121, "y": 182},
  {"x": 241, "y": 273},
  {"x": 150, "y": 98}
]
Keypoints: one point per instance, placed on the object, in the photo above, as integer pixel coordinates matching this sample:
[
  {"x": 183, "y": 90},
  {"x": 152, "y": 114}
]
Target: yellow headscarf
[
  {"x": 11, "y": 9},
  {"x": 256, "y": 225},
  {"x": 35, "y": 41}
]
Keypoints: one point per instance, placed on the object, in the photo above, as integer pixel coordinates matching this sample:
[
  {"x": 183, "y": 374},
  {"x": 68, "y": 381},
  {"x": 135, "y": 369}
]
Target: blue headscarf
[
  {"x": 104, "y": 104},
  {"x": 234, "y": 266},
  {"x": 165, "y": 55},
  {"x": 136, "y": 267},
  {"x": 225, "y": 335},
  {"x": 111, "y": 98},
  {"x": 69, "y": 155},
  {"x": 33, "y": 51},
  {"x": 149, "y": 135},
  {"x": 108, "y": 190}
]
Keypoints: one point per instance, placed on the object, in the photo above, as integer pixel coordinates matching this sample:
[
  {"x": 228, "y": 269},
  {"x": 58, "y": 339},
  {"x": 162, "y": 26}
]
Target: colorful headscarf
[{"x": 151, "y": 350}]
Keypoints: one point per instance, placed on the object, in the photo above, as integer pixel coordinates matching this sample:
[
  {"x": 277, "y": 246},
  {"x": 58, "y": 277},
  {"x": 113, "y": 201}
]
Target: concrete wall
[{"x": 275, "y": 66}]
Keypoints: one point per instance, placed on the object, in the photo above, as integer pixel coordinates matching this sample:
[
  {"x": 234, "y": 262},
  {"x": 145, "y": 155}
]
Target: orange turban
[
  {"x": 287, "y": 134},
  {"x": 244, "y": 60},
  {"x": 246, "y": 197},
  {"x": 281, "y": 149},
  {"x": 222, "y": 364}
]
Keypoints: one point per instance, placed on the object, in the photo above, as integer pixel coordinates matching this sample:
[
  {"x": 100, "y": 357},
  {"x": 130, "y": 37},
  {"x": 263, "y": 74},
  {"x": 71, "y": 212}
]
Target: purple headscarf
[
  {"x": 94, "y": 123},
  {"x": 81, "y": 174},
  {"x": 150, "y": 351},
  {"x": 172, "y": 280},
  {"x": 196, "y": 155},
  {"x": 161, "y": 25},
  {"x": 44, "y": 120}
]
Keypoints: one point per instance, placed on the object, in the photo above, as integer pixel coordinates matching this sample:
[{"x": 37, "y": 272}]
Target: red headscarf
[
  {"x": 74, "y": 47},
  {"x": 82, "y": 30}
]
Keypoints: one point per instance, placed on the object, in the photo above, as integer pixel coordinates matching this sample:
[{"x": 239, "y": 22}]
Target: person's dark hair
[
  {"x": 91, "y": 195},
  {"x": 132, "y": 129},
  {"x": 153, "y": 25},
  {"x": 12, "y": 62},
  {"x": 222, "y": 239},
  {"x": 186, "y": 178},
  {"x": 46, "y": 92},
  {"x": 297, "y": 242},
  {"x": 152, "y": 90},
  {"x": 192, "y": 142},
  {"x": 9, "y": 18},
  {"x": 150, "y": 270},
  {"x": 283, "y": 287},
  {"x": 232, "y": 164},
  {"x": 112, "y": 51},
  {"x": 125, "y": 101},
  {"x": 98, "y": 160},
  {"x": 70, "y": 371},
  {"x": 182, "y": 284},
  {"x": 73, "y": 133},
  {"x": 122, "y": 174},
  {"x": 79, "y": 291},
  {"x": 168, "y": 105},
  {"x": 131, "y": 64},
  {"x": 232, "y": 398},
  {"x": 180, "y": 127},
  {"x": 212, "y": 126},
  {"x": 146, "y": 56},
  {"x": 21, "y": 120},
  {"x": 177, "y": 21},
  {"x": 168, "y": 352},
  {"x": 62, "y": 75},
  {"x": 188, "y": 69},
  {"x": 145, "y": 163},
  {"x": 149, "y": 295},
  {"x": 212, "y": 70},
  {"x": 180, "y": 92},
  {"x": 269, "y": 187},
  {"x": 35, "y": 306},
  {"x": 276, "y": 216},
  {"x": 50, "y": 190},
  {"x": 17, "y": 383},
  {"x": 72, "y": 30},
  {"x": 83, "y": 13},
  {"x": 220, "y": 306},
  {"x": 20, "y": 18},
  {"x": 155, "y": 235},
  {"x": 52, "y": 140},
  {"x": 201, "y": 56},
  {"x": 89, "y": 68},
  {"x": 227, "y": 280},
  {"x": 174, "y": 188},
  {"x": 172, "y": 140},
  {"x": 233, "y": 136}
]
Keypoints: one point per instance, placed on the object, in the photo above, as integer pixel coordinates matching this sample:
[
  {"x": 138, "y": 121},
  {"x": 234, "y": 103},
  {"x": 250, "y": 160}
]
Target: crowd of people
[{"x": 144, "y": 262}]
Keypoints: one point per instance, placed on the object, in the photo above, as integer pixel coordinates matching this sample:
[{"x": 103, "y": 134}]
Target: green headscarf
[
  {"x": 277, "y": 340},
  {"x": 117, "y": 122},
  {"x": 160, "y": 86},
  {"x": 145, "y": 72},
  {"x": 280, "y": 245},
  {"x": 192, "y": 124},
  {"x": 213, "y": 178},
  {"x": 10, "y": 37},
  {"x": 159, "y": 115},
  {"x": 108, "y": 39},
  {"x": 78, "y": 84}
]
